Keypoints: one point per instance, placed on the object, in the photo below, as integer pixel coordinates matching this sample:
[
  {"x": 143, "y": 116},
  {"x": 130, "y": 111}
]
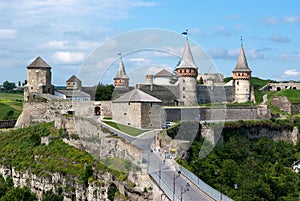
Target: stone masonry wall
[
  {"x": 216, "y": 113},
  {"x": 7, "y": 123}
]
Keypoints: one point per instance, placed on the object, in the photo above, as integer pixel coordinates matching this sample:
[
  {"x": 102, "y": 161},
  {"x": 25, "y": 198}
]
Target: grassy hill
[{"x": 10, "y": 102}]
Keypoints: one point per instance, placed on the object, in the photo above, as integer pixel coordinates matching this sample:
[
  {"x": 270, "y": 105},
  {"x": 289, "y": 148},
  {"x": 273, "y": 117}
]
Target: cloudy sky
[{"x": 68, "y": 34}]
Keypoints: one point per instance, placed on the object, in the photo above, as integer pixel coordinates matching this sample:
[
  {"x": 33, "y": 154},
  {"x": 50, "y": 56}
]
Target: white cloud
[
  {"x": 7, "y": 33},
  {"x": 221, "y": 53},
  {"x": 289, "y": 57},
  {"x": 291, "y": 19},
  {"x": 67, "y": 57},
  {"x": 271, "y": 20},
  {"x": 76, "y": 45},
  {"x": 279, "y": 39},
  {"x": 56, "y": 44},
  {"x": 291, "y": 72}
]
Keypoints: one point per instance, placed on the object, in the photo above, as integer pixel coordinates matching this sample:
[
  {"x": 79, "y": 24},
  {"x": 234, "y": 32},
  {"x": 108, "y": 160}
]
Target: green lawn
[
  {"x": 125, "y": 129},
  {"x": 10, "y": 101}
]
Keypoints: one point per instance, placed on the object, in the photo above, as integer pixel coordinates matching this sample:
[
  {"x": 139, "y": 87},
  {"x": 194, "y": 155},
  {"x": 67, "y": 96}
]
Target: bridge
[{"x": 176, "y": 182}]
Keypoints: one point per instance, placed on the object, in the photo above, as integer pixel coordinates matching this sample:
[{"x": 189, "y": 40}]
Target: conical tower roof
[
  {"x": 187, "y": 60},
  {"x": 242, "y": 65},
  {"x": 38, "y": 63},
  {"x": 121, "y": 74}
]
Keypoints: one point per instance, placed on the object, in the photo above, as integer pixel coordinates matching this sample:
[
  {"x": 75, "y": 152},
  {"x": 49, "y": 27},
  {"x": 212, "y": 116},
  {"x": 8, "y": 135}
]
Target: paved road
[
  {"x": 165, "y": 169},
  {"x": 169, "y": 175}
]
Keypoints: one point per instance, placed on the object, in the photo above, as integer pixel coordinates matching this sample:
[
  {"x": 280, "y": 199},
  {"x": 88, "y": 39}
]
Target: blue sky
[{"x": 66, "y": 33}]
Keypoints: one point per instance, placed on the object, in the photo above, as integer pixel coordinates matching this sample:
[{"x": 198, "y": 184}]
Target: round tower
[
  {"x": 187, "y": 72},
  {"x": 241, "y": 79}
]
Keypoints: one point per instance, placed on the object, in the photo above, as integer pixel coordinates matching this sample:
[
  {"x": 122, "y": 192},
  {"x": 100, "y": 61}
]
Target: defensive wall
[
  {"x": 203, "y": 113},
  {"x": 7, "y": 123}
]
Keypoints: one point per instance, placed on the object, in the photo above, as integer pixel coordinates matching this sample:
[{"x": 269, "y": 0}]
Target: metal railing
[
  {"x": 168, "y": 190},
  {"x": 210, "y": 191}
]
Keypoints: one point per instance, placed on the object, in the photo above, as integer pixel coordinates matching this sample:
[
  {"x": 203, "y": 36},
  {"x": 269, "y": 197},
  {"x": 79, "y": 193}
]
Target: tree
[
  {"x": 50, "y": 196},
  {"x": 200, "y": 81},
  {"x": 19, "y": 194},
  {"x": 9, "y": 115},
  {"x": 104, "y": 92},
  {"x": 9, "y": 85}
]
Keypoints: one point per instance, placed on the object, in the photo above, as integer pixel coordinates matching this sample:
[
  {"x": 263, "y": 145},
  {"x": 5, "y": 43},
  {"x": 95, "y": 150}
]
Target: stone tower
[
  {"x": 187, "y": 73},
  {"x": 121, "y": 79},
  {"x": 241, "y": 79},
  {"x": 38, "y": 80}
]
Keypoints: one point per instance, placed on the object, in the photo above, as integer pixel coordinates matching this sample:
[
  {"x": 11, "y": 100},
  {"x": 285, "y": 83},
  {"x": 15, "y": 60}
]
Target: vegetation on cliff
[
  {"x": 248, "y": 169},
  {"x": 22, "y": 149}
]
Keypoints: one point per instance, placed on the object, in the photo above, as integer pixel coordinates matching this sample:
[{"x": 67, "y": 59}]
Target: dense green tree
[
  {"x": 19, "y": 194},
  {"x": 50, "y": 196},
  {"x": 258, "y": 168},
  {"x": 9, "y": 115},
  {"x": 111, "y": 191},
  {"x": 200, "y": 81},
  {"x": 9, "y": 85},
  {"x": 104, "y": 92}
]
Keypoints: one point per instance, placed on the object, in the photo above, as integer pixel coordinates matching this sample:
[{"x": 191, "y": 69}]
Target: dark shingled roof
[
  {"x": 187, "y": 60},
  {"x": 73, "y": 78},
  {"x": 38, "y": 63},
  {"x": 242, "y": 65},
  {"x": 121, "y": 74},
  {"x": 136, "y": 95}
]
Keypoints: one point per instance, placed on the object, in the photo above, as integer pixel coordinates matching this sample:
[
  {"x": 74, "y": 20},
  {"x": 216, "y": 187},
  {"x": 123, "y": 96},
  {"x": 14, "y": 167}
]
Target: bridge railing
[
  {"x": 210, "y": 191},
  {"x": 168, "y": 190}
]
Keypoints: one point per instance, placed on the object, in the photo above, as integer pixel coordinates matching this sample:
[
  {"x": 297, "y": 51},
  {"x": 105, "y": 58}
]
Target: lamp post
[
  {"x": 184, "y": 190},
  {"x": 175, "y": 177}
]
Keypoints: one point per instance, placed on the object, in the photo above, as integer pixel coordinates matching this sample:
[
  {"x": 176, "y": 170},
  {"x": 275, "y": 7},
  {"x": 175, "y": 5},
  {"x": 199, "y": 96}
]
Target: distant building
[
  {"x": 211, "y": 78},
  {"x": 38, "y": 80},
  {"x": 73, "y": 83},
  {"x": 162, "y": 77},
  {"x": 73, "y": 90}
]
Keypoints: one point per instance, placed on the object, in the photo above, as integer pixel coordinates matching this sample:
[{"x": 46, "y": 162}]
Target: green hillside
[
  {"x": 22, "y": 149},
  {"x": 10, "y": 102},
  {"x": 260, "y": 168}
]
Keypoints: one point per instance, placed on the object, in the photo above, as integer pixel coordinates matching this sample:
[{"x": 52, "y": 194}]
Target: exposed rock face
[
  {"x": 71, "y": 187},
  {"x": 284, "y": 134}
]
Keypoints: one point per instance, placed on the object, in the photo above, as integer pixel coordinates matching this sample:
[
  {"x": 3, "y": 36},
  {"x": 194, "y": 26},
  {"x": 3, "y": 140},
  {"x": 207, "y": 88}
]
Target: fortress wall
[
  {"x": 208, "y": 94},
  {"x": 38, "y": 112},
  {"x": 167, "y": 94},
  {"x": 283, "y": 85},
  {"x": 222, "y": 113},
  {"x": 7, "y": 123}
]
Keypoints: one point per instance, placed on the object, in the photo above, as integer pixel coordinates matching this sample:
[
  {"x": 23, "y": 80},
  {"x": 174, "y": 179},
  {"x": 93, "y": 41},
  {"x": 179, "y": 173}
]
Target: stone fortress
[{"x": 147, "y": 105}]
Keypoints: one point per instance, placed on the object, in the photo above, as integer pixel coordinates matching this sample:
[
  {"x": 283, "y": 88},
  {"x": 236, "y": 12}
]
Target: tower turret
[
  {"x": 121, "y": 79},
  {"x": 187, "y": 72},
  {"x": 241, "y": 79}
]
